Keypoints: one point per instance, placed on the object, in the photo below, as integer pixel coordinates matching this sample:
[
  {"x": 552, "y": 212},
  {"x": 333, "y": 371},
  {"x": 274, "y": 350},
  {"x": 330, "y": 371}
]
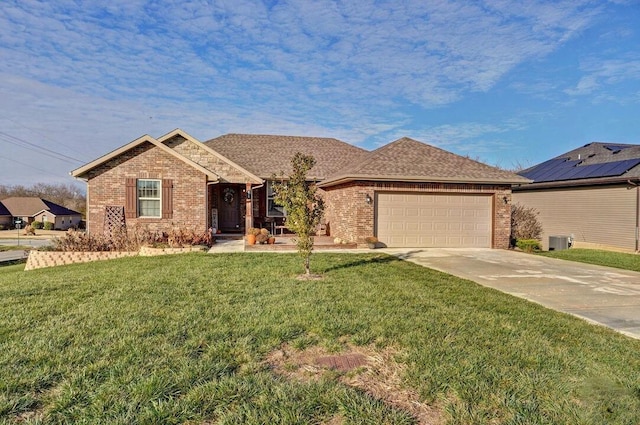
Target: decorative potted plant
[
  {"x": 252, "y": 234},
  {"x": 371, "y": 241},
  {"x": 263, "y": 236}
]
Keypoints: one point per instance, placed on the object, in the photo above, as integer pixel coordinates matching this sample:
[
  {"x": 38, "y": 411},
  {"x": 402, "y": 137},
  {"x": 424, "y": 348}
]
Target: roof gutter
[
  {"x": 574, "y": 183},
  {"x": 417, "y": 179}
]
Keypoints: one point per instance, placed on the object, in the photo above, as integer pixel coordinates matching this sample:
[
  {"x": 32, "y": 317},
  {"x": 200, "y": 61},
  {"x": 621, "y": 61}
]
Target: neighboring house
[
  {"x": 407, "y": 193},
  {"x": 6, "y": 219},
  {"x": 590, "y": 194},
  {"x": 31, "y": 209}
]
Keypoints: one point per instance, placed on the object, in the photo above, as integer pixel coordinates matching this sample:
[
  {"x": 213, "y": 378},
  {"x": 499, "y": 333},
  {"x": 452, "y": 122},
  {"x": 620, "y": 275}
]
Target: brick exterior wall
[
  {"x": 350, "y": 218},
  {"x": 106, "y": 186}
]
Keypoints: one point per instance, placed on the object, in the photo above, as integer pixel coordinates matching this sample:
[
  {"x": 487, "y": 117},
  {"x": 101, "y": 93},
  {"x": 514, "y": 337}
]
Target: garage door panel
[
  {"x": 413, "y": 227},
  {"x": 426, "y": 228},
  {"x": 434, "y": 220}
]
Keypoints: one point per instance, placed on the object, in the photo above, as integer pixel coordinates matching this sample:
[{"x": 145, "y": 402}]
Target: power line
[
  {"x": 31, "y": 166},
  {"x": 21, "y": 142},
  {"x": 40, "y": 134}
]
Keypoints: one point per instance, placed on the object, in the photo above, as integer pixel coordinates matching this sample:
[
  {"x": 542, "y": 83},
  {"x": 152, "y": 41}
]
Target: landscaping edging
[{"x": 42, "y": 259}]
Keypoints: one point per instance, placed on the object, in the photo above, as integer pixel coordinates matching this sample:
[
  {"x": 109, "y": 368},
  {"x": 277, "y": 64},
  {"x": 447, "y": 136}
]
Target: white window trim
[
  {"x": 270, "y": 190},
  {"x": 140, "y": 198}
]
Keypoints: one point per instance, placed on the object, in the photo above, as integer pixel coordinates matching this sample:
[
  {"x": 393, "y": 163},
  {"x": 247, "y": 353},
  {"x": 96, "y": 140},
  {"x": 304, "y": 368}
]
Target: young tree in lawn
[{"x": 303, "y": 206}]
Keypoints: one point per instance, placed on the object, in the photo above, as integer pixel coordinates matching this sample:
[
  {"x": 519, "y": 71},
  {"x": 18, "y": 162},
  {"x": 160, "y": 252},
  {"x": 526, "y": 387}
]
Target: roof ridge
[
  {"x": 276, "y": 135},
  {"x": 411, "y": 159}
]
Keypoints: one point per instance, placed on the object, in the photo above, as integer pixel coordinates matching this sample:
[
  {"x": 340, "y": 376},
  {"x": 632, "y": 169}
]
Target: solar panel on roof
[
  {"x": 563, "y": 169},
  {"x": 616, "y": 148},
  {"x": 607, "y": 167},
  {"x": 624, "y": 166}
]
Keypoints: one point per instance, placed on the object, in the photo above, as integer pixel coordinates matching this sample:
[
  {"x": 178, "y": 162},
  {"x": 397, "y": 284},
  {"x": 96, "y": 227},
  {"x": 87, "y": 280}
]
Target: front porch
[{"x": 234, "y": 207}]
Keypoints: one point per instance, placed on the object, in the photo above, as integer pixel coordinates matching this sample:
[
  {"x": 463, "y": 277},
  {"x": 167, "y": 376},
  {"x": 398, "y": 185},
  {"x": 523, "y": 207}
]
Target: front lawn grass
[
  {"x": 183, "y": 339},
  {"x": 618, "y": 260}
]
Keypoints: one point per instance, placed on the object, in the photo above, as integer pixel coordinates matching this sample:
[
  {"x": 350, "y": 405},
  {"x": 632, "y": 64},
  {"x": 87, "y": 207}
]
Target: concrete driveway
[{"x": 608, "y": 296}]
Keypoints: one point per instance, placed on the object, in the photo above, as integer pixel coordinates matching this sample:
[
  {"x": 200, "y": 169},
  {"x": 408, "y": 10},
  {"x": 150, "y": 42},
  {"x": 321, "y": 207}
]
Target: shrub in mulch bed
[{"x": 131, "y": 239}]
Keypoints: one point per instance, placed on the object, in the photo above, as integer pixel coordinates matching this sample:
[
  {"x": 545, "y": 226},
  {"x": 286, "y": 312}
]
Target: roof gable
[
  {"x": 264, "y": 155},
  {"x": 594, "y": 161},
  {"x": 24, "y": 206},
  {"x": 4, "y": 210},
  {"x": 82, "y": 171},
  {"x": 409, "y": 160},
  {"x": 167, "y": 138}
]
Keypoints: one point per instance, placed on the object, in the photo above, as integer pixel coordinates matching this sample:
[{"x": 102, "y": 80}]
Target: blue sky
[{"x": 508, "y": 83}]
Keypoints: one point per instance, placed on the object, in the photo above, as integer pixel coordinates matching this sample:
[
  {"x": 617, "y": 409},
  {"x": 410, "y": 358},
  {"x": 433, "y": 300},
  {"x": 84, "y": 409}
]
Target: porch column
[{"x": 248, "y": 218}]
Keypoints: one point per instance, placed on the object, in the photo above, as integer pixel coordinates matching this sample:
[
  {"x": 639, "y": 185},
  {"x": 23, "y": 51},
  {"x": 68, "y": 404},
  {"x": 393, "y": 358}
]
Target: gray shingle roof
[
  {"x": 263, "y": 155},
  {"x": 408, "y": 159},
  {"x": 557, "y": 171},
  {"x": 25, "y": 206},
  {"x": 599, "y": 152}
]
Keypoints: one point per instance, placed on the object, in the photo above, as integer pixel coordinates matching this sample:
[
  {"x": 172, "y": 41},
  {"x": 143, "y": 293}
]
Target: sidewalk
[
  {"x": 40, "y": 234},
  {"x": 13, "y": 255}
]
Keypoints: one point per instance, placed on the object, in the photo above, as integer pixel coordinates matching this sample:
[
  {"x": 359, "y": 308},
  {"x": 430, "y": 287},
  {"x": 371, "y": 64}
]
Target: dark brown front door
[{"x": 229, "y": 217}]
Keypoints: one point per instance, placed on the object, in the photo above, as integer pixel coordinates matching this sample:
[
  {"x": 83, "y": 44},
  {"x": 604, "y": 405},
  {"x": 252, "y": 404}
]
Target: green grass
[
  {"x": 603, "y": 258},
  {"x": 183, "y": 339},
  {"x": 14, "y": 248}
]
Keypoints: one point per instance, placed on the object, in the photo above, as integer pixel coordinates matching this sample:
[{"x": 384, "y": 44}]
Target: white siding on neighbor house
[
  {"x": 434, "y": 220},
  {"x": 600, "y": 216}
]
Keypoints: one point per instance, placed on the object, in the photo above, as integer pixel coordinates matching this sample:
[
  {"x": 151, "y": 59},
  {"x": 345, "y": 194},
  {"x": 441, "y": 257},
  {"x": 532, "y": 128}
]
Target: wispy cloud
[
  {"x": 604, "y": 73},
  {"x": 105, "y": 72},
  {"x": 428, "y": 53}
]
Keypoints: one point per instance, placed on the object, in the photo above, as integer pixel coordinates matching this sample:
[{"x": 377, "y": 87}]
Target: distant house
[
  {"x": 406, "y": 193},
  {"x": 591, "y": 194},
  {"x": 31, "y": 209},
  {"x": 5, "y": 217}
]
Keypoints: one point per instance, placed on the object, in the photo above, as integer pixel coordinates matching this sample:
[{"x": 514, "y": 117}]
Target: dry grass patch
[{"x": 372, "y": 370}]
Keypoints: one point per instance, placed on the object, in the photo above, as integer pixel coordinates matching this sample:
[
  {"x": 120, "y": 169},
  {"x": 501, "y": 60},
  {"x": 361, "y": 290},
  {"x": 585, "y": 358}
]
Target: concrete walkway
[
  {"x": 603, "y": 295},
  {"x": 227, "y": 245}
]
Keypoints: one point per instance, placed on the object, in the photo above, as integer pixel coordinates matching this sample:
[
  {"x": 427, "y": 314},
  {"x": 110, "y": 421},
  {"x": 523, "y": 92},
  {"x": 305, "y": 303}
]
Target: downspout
[
  {"x": 637, "y": 218},
  {"x": 637, "y": 213}
]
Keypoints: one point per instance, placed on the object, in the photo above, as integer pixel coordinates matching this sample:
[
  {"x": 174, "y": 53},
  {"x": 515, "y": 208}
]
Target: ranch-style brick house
[{"x": 407, "y": 193}]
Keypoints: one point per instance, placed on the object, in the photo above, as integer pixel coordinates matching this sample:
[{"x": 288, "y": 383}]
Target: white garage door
[{"x": 434, "y": 220}]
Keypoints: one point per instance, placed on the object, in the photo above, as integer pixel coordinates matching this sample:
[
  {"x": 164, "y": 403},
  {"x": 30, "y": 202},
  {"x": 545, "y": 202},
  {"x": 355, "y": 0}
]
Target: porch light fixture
[
  {"x": 367, "y": 199},
  {"x": 505, "y": 199}
]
